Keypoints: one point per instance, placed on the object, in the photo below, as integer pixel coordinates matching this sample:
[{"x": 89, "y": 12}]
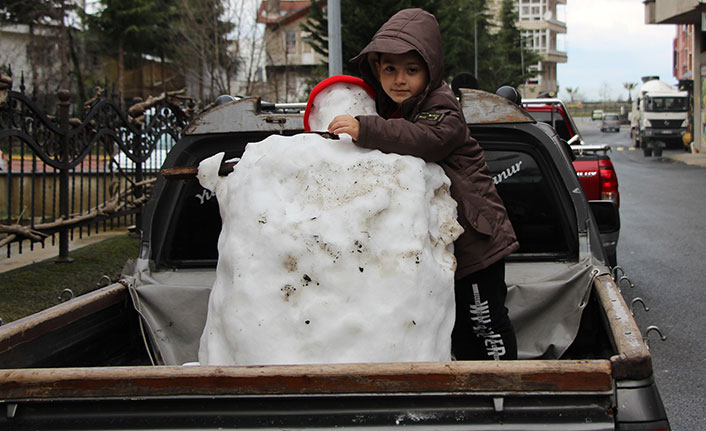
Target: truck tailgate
[
  {"x": 478, "y": 376},
  {"x": 521, "y": 395}
]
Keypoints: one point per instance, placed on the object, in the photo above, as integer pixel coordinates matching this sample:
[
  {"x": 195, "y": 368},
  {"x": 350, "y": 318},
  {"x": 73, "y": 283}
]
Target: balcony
[
  {"x": 551, "y": 25},
  {"x": 555, "y": 56},
  {"x": 674, "y": 11}
]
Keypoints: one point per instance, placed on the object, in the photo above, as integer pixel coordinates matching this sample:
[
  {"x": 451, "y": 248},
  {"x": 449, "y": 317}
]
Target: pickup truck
[
  {"x": 121, "y": 357},
  {"x": 591, "y": 162}
]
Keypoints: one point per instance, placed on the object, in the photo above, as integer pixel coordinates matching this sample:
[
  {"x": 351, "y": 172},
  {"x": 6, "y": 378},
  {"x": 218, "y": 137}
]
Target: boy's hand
[{"x": 345, "y": 124}]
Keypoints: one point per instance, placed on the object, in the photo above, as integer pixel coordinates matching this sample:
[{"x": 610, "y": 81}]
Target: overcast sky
[{"x": 608, "y": 43}]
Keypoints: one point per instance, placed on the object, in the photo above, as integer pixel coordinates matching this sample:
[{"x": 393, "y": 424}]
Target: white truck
[{"x": 659, "y": 116}]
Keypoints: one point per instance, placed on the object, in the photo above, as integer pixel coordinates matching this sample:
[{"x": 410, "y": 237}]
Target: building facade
[
  {"x": 290, "y": 60},
  {"x": 690, "y": 51},
  {"x": 684, "y": 52},
  {"x": 541, "y": 29},
  {"x": 31, "y": 54}
]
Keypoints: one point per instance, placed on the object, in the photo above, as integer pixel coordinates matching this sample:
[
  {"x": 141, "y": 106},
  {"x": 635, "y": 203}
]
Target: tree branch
[{"x": 110, "y": 207}]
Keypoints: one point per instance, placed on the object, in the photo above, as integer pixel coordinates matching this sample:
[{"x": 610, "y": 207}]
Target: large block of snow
[{"x": 330, "y": 253}]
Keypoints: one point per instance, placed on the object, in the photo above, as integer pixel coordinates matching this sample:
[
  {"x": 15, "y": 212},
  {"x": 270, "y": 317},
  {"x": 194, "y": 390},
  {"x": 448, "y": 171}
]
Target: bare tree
[
  {"x": 201, "y": 45},
  {"x": 605, "y": 92},
  {"x": 251, "y": 45}
]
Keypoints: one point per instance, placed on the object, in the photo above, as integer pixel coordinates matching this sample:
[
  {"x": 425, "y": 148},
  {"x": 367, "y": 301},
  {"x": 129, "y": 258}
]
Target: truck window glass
[
  {"x": 534, "y": 210},
  {"x": 665, "y": 104},
  {"x": 559, "y": 124},
  {"x": 194, "y": 233}
]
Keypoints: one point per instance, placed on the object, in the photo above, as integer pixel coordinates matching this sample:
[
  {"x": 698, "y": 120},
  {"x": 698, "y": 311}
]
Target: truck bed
[
  {"x": 429, "y": 395},
  {"x": 68, "y": 378}
]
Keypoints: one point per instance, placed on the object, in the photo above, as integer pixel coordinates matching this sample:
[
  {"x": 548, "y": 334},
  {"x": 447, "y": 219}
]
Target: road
[{"x": 662, "y": 250}]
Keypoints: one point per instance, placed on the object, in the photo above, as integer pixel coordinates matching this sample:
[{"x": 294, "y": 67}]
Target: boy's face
[{"x": 402, "y": 75}]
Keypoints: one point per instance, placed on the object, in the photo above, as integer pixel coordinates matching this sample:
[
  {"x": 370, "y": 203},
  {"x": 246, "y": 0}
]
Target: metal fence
[{"x": 62, "y": 176}]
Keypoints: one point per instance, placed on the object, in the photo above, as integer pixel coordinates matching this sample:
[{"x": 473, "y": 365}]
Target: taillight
[{"x": 608, "y": 181}]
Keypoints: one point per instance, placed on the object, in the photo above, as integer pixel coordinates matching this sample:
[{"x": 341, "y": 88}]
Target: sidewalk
[
  {"x": 695, "y": 159},
  {"x": 49, "y": 251}
]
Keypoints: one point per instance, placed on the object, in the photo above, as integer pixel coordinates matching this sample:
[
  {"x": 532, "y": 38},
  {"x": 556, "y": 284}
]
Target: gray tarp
[{"x": 545, "y": 300}]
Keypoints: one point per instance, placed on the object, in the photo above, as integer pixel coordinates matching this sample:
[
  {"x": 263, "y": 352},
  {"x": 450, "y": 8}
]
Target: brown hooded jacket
[{"x": 433, "y": 127}]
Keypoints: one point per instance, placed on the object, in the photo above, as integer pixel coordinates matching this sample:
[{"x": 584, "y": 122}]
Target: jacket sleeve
[{"x": 432, "y": 136}]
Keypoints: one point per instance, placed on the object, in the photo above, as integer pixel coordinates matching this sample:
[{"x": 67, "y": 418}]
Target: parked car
[
  {"x": 596, "y": 114},
  {"x": 610, "y": 122}
]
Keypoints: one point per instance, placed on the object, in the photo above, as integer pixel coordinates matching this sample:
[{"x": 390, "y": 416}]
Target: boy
[{"x": 420, "y": 116}]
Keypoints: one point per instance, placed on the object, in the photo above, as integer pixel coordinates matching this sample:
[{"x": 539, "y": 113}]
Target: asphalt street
[{"x": 662, "y": 251}]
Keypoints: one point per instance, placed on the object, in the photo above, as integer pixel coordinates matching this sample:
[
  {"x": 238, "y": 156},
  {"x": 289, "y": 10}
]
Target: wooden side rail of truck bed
[
  {"x": 633, "y": 360},
  {"x": 47, "y": 321}
]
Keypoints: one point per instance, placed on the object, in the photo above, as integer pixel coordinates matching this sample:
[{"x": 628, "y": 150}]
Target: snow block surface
[{"x": 330, "y": 253}]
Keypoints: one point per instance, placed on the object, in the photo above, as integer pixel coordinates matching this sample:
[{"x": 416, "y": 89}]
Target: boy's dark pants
[{"x": 483, "y": 330}]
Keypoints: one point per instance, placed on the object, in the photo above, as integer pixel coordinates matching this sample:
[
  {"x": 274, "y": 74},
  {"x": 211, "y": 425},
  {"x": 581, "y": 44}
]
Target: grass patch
[{"x": 27, "y": 290}]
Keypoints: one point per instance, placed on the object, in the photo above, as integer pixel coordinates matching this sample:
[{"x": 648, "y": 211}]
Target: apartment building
[
  {"x": 541, "y": 29},
  {"x": 290, "y": 60},
  {"x": 684, "y": 52},
  {"x": 690, "y": 51}
]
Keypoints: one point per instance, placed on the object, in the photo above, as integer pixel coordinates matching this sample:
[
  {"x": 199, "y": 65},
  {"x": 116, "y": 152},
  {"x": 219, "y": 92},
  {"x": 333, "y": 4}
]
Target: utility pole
[
  {"x": 335, "y": 54},
  {"x": 475, "y": 45}
]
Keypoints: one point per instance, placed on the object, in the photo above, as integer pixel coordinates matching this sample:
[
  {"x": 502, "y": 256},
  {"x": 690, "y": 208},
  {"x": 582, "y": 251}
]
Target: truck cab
[{"x": 659, "y": 117}]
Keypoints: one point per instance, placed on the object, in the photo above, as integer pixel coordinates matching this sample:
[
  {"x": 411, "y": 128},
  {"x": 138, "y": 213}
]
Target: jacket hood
[{"x": 407, "y": 30}]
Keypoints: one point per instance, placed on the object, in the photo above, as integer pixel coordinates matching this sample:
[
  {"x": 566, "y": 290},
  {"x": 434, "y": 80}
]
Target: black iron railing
[{"x": 62, "y": 176}]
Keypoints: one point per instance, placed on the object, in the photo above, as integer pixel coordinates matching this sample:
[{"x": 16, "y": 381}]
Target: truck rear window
[
  {"x": 531, "y": 201},
  {"x": 196, "y": 227},
  {"x": 555, "y": 120},
  {"x": 535, "y": 210}
]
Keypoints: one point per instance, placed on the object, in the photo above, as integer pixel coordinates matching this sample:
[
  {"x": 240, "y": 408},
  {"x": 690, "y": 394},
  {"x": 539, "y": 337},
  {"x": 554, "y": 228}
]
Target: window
[
  {"x": 555, "y": 120},
  {"x": 290, "y": 41},
  {"x": 536, "y": 213},
  {"x": 532, "y": 10},
  {"x": 196, "y": 227},
  {"x": 665, "y": 104}
]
